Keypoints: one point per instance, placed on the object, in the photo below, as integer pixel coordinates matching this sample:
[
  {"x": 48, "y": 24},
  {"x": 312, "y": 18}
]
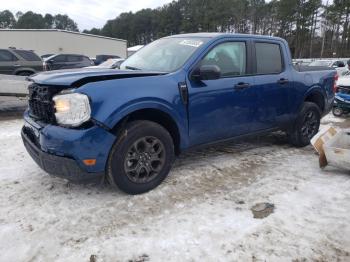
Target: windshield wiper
[{"x": 132, "y": 68}]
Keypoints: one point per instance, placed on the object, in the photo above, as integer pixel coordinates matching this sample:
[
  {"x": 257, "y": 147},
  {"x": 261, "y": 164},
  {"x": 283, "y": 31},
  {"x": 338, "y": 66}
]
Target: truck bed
[{"x": 301, "y": 68}]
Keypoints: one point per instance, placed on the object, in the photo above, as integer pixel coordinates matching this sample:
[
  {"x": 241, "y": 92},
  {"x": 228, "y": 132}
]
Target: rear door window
[
  {"x": 74, "y": 58},
  {"x": 6, "y": 56},
  {"x": 27, "y": 55},
  {"x": 268, "y": 58}
]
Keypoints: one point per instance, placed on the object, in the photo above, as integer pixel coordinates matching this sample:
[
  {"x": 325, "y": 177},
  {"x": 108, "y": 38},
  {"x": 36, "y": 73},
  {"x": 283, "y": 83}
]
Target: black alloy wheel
[{"x": 144, "y": 159}]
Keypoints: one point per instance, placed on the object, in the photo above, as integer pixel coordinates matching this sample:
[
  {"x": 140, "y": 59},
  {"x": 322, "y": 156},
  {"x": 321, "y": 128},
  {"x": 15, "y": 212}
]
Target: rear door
[
  {"x": 8, "y": 62},
  {"x": 74, "y": 61},
  {"x": 273, "y": 84},
  {"x": 222, "y": 108}
]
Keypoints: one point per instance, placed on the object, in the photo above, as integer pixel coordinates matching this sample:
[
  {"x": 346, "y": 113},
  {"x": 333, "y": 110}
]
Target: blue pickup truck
[{"x": 177, "y": 93}]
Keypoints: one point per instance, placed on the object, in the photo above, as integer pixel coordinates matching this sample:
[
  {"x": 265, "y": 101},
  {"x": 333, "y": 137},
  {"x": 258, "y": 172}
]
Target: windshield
[
  {"x": 321, "y": 63},
  {"x": 165, "y": 55}
]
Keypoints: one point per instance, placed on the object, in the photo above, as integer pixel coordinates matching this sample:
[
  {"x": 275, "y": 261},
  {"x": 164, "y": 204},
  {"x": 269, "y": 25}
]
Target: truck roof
[{"x": 220, "y": 35}]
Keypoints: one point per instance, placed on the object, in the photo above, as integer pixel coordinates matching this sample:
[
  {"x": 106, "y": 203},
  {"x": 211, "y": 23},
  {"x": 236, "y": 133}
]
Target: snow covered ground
[{"x": 200, "y": 213}]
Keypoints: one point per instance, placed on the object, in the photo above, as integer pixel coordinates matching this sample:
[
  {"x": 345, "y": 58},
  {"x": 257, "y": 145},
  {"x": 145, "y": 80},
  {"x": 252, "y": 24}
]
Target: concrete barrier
[{"x": 11, "y": 85}]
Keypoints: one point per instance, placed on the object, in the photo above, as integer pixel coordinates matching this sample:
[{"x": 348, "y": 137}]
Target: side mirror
[{"x": 207, "y": 72}]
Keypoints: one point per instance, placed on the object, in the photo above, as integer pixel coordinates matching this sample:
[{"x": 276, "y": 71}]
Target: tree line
[
  {"x": 312, "y": 28},
  {"x": 30, "y": 20}
]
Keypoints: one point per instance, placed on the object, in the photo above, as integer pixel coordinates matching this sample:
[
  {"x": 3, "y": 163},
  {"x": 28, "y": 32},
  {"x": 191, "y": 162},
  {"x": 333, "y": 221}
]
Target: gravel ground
[{"x": 202, "y": 212}]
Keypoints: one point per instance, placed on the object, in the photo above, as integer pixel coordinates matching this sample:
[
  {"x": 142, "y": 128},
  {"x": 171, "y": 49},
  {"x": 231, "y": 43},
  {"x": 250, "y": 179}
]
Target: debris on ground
[
  {"x": 337, "y": 150},
  {"x": 318, "y": 141},
  {"x": 262, "y": 210},
  {"x": 333, "y": 147}
]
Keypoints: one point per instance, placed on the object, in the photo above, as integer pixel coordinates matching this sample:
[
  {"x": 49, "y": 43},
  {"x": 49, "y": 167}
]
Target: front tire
[
  {"x": 141, "y": 158},
  {"x": 306, "y": 125}
]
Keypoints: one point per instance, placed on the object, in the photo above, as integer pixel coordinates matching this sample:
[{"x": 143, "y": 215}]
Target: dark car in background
[
  {"x": 102, "y": 58},
  {"x": 19, "y": 62},
  {"x": 66, "y": 61},
  {"x": 46, "y": 56}
]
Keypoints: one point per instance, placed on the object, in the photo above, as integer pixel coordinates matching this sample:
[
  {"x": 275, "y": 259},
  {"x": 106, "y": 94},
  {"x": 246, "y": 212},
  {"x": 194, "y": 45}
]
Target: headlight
[{"x": 72, "y": 109}]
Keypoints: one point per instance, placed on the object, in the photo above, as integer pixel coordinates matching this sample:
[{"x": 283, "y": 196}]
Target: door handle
[
  {"x": 16, "y": 65},
  {"x": 283, "y": 81},
  {"x": 241, "y": 86}
]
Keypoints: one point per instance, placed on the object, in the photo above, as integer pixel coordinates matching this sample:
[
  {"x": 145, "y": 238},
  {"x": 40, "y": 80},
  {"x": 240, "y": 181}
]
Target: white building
[{"x": 54, "y": 41}]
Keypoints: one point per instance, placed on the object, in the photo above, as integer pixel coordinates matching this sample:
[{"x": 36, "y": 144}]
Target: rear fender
[{"x": 315, "y": 90}]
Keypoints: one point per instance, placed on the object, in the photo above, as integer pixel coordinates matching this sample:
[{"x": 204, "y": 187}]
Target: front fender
[
  {"x": 112, "y": 100},
  {"x": 118, "y": 114},
  {"x": 140, "y": 104}
]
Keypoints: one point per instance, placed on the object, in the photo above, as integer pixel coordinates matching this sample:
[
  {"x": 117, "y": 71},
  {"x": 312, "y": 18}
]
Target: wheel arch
[
  {"x": 317, "y": 97},
  {"x": 24, "y": 69},
  {"x": 161, "y": 117}
]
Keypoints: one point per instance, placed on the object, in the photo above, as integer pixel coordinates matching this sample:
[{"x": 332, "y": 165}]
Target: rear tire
[
  {"x": 306, "y": 125},
  {"x": 141, "y": 158},
  {"x": 337, "y": 111}
]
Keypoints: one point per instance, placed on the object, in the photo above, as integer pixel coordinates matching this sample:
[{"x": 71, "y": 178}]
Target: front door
[{"x": 225, "y": 107}]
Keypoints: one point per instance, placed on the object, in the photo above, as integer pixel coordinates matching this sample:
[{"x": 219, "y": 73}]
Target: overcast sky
[{"x": 87, "y": 13}]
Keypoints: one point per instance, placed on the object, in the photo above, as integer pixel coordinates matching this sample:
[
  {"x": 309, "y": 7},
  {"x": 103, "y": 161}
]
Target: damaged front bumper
[{"x": 61, "y": 151}]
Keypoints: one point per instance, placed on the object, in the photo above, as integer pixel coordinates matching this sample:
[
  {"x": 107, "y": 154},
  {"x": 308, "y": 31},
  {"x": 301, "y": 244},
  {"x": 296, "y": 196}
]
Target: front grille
[{"x": 41, "y": 106}]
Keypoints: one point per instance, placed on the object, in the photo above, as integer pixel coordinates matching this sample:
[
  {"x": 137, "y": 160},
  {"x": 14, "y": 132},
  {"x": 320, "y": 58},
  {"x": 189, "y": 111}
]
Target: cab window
[{"x": 230, "y": 57}]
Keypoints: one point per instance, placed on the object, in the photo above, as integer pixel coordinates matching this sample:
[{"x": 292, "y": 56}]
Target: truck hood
[{"x": 79, "y": 77}]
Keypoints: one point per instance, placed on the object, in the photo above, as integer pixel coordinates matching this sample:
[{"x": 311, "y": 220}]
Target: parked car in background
[
  {"x": 110, "y": 63},
  {"x": 328, "y": 63},
  {"x": 66, "y": 61},
  {"x": 93, "y": 59},
  {"x": 19, "y": 62},
  {"x": 339, "y": 65},
  {"x": 43, "y": 57},
  {"x": 177, "y": 93},
  {"x": 102, "y": 58},
  {"x": 301, "y": 62}
]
